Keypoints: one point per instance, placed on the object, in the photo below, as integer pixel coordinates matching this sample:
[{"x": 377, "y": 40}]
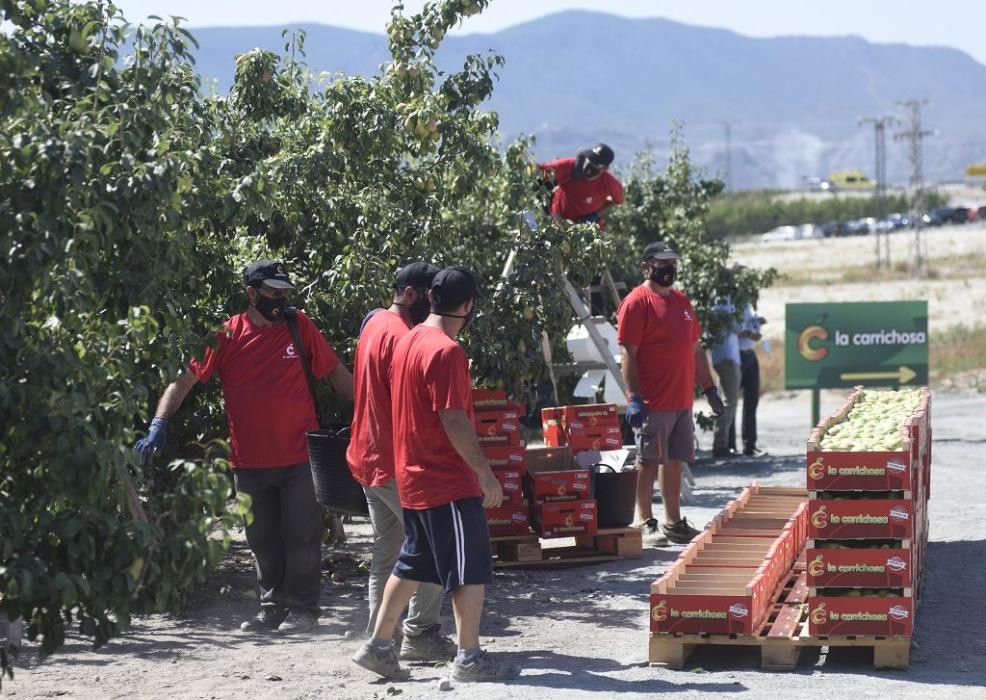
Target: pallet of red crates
[{"x": 557, "y": 494}]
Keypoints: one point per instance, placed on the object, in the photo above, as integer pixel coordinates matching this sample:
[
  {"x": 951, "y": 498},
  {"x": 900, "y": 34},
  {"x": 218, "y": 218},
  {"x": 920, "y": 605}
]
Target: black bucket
[
  {"x": 335, "y": 487},
  {"x": 615, "y": 494}
]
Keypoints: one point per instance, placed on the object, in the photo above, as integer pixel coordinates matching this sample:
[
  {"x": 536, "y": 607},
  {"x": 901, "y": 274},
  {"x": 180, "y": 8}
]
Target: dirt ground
[{"x": 579, "y": 632}]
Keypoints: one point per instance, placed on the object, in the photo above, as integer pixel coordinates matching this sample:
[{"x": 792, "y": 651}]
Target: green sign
[{"x": 882, "y": 343}]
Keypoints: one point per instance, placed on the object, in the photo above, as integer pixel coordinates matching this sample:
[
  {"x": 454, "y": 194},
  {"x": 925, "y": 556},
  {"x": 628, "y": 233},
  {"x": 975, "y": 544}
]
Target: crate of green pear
[{"x": 877, "y": 441}]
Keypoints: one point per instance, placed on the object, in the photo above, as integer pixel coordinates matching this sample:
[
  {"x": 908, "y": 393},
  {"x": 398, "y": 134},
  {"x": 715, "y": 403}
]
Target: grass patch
[
  {"x": 959, "y": 349},
  {"x": 945, "y": 267},
  {"x": 956, "y": 351}
]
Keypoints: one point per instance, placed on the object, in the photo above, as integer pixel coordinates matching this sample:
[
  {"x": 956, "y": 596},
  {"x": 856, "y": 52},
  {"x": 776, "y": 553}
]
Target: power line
[
  {"x": 880, "y": 140},
  {"x": 915, "y": 135}
]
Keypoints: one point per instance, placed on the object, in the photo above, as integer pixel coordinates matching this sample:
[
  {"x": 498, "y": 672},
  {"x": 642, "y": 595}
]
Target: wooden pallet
[
  {"x": 531, "y": 551},
  {"x": 781, "y": 637}
]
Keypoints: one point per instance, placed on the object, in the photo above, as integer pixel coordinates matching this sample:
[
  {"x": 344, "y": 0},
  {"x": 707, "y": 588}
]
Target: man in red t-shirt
[
  {"x": 444, "y": 482},
  {"x": 661, "y": 356},
  {"x": 584, "y": 189},
  {"x": 371, "y": 459},
  {"x": 268, "y": 411}
]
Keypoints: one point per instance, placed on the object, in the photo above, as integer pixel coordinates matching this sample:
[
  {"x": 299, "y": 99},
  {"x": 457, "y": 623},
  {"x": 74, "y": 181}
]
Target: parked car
[
  {"x": 982, "y": 213},
  {"x": 781, "y": 233},
  {"x": 859, "y": 227},
  {"x": 894, "y": 222},
  {"x": 946, "y": 215},
  {"x": 832, "y": 229},
  {"x": 938, "y": 217}
]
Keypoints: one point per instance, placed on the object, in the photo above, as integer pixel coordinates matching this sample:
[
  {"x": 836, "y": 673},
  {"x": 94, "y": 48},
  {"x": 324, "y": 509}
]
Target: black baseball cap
[
  {"x": 416, "y": 274},
  {"x": 600, "y": 155},
  {"x": 659, "y": 250},
  {"x": 454, "y": 286},
  {"x": 273, "y": 273}
]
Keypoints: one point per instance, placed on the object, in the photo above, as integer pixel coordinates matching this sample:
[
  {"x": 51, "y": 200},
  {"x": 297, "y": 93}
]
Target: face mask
[
  {"x": 271, "y": 309},
  {"x": 467, "y": 319},
  {"x": 664, "y": 276}
]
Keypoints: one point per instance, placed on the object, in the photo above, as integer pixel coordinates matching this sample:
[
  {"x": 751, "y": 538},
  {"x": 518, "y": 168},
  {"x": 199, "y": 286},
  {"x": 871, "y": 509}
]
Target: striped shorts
[{"x": 448, "y": 545}]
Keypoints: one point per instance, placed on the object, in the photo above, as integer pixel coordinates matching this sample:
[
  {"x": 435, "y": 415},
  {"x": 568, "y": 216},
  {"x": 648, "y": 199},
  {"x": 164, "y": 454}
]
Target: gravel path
[{"x": 579, "y": 633}]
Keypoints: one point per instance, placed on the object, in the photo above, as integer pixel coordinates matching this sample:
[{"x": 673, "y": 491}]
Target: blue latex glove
[
  {"x": 715, "y": 401},
  {"x": 636, "y": 411},
  {"x": 147, "y": 447}
]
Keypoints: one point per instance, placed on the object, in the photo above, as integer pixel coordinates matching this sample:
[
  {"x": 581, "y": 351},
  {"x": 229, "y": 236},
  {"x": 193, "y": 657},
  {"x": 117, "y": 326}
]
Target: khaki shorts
[{"x": 665, "y": 435}]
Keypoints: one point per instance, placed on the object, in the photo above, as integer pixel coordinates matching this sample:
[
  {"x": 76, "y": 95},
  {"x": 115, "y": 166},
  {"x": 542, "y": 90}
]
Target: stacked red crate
[
  {"x": 723, "y": 582},
  {"x": 867, "y": 530},
  {"x": 582, "y": 427},
  {"x": 559, "y": 494},
  {"x": 497, "y": 422}
]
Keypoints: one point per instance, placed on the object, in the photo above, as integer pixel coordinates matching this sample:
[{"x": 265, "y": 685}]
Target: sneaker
[
  {"x": 483, "y": 669},
  {"x": 651, "y": 533},
  {"x": 267, "y": 620},
  {"x": 297, "y": 621},
  {"x": 754, "y": 452},
  {"x": 381, "y": 662},
  {"x": 679, "y": 533},
  {"x": 430, "y": 645}
]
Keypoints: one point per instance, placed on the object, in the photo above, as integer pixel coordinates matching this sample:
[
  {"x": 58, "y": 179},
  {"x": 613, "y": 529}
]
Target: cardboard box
[
  {"x": 489, "y": 399},
  {"x": 710, "y": 610},
  {"x": 562, "y": 485},
  {"x": 862, "y": 471},
  {"x": 596, "y": 415},
  {"x": 508, "y": 440},
  {"x": 502, "y": 422},
  {"x": 603, "y": 438},
  {"x": 861, "y": 519},
  {"x": 860, "y": 568},
  {"x": 553, "y": 427},
  {"x": 565, "y": 519},
  {"x": 508, "y": 521},
  {"x": 512, "y": 485},
  {"x": 869, "y": 615},
  {"x": 510, "y": 457}
]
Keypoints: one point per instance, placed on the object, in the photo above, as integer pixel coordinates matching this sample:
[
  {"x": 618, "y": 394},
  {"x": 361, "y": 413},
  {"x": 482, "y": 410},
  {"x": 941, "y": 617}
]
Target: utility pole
[
  {"x": 915, "y": 135},
  {"x": 728, "y": 125},
  {"x": 880, "y": 139}
]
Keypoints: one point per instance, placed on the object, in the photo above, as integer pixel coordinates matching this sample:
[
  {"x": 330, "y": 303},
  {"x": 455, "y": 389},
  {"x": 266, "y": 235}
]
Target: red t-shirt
[
  {"x": 430, "y": 373},
  {"x": 664, "y": 331},
  {"x": 371, "y": 449},
  {"x": 575, "y": 198},
  {"x": 268, "y": 405}
]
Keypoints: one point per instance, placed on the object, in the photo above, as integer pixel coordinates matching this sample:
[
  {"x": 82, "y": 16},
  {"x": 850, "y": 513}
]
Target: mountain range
[{"x": 793, "y": 104}]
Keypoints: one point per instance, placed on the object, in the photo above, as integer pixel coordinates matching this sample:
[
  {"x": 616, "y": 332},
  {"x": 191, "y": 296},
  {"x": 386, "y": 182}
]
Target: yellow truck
[{"x": 851, "y": 180}]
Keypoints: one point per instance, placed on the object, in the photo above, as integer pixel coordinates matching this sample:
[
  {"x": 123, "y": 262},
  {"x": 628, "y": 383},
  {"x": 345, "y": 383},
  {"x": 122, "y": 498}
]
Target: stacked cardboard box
[
  {"x": 582, "y": 427},
  {"x": 497, "y": 422},
  {"x": 559, "y": 494},
  {"x": 724, "y": 581},
  {"x": 868, "y": 528}
]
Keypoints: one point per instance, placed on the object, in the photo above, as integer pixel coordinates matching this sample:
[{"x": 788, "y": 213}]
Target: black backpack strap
[{"x": 291, "y": 317}]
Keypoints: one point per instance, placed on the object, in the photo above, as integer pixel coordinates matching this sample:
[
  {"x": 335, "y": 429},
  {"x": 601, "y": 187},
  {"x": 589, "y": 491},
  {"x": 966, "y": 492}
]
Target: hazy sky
[{"x": 957, "y": 23}]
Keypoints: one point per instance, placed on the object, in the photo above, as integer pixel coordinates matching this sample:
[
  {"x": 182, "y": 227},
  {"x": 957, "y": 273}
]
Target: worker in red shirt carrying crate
[
  {"x": 444, "y": 482},
  {"x": 659, "y": 333}
]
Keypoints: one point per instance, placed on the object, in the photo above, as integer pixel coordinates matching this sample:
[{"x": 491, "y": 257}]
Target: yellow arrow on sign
[{"x": 902, "y": 375}]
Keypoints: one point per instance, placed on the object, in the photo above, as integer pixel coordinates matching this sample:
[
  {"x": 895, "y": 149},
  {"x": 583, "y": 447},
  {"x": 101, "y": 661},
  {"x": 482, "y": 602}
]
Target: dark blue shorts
[{"x": 448, "y": 545}]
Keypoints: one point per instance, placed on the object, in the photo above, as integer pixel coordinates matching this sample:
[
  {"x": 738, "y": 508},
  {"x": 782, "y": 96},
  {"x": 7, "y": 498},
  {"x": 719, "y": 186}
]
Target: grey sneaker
[
  {"x": 484, "y": 669},
  {"x": 382, "y": 663},
  {"x": 297, "y": 621},
  {"x": 679, "y": 533},
  {"x": 267, "y": 620},
  {"x": 430, "y": 645},
  {"x": 651, "y": 533}
]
